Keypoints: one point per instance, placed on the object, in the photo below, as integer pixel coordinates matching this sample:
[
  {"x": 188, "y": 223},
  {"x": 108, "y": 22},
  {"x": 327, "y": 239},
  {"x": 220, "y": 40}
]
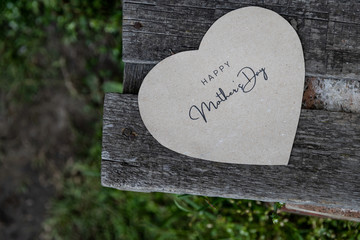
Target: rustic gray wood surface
[
  {"x": 323, "y": 169},
  {"x": 154, "y": 29},
  {"x": 325, "y": 161}
]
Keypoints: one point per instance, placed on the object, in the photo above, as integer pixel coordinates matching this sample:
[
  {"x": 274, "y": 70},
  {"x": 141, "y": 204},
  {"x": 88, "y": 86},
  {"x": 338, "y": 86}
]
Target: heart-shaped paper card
[{"x": 237, "y": 99}]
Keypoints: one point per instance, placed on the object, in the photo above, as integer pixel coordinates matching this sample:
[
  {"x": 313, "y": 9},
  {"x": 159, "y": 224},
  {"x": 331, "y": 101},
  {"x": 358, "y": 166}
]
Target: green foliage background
[{"x": 33, "y": 36}]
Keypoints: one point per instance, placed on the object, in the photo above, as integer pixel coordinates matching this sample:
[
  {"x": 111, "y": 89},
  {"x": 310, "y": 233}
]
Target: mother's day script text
[{"x": 246, "y": 82}]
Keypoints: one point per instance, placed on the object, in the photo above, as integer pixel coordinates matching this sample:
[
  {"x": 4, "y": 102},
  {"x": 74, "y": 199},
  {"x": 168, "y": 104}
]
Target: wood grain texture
[
  {"x": 332, "y": 95},
  {"x": 329, "y": 30},
  {"x": 319, "y": 93},
  {"x": 323, "y": 169},
  {"x": 134, "y": 74}
]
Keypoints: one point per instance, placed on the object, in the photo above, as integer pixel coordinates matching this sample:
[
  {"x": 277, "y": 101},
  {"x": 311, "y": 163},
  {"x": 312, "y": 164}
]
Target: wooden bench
[{"x": 324, "y": 168}]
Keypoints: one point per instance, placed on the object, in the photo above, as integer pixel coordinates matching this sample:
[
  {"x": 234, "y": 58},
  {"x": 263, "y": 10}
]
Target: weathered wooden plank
[
  {"x": 329, "y": 94},
  {"x": 335, "y": 213},
  {"x": 329, "y": 30},
  {"x": 332, "y": 94},
  {"x": 134, "y": 75},
  {"x": 324, "y": 168}
]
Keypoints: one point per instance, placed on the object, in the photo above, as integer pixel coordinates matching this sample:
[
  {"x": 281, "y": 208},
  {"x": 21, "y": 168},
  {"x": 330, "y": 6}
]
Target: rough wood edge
[{"x": 323, "y": 169}]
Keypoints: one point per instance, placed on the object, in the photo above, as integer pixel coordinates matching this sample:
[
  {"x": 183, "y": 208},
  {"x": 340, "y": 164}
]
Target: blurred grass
[{"x": 34, "y": 35}]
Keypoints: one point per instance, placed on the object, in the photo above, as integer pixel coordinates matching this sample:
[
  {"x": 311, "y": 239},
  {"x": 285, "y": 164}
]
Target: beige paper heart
[{"x": 237, "y": 99}]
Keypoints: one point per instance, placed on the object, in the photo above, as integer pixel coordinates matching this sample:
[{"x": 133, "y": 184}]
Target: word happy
[
  {"x": 215, "y": 73},
  {"x": 246, "y": 77}
]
